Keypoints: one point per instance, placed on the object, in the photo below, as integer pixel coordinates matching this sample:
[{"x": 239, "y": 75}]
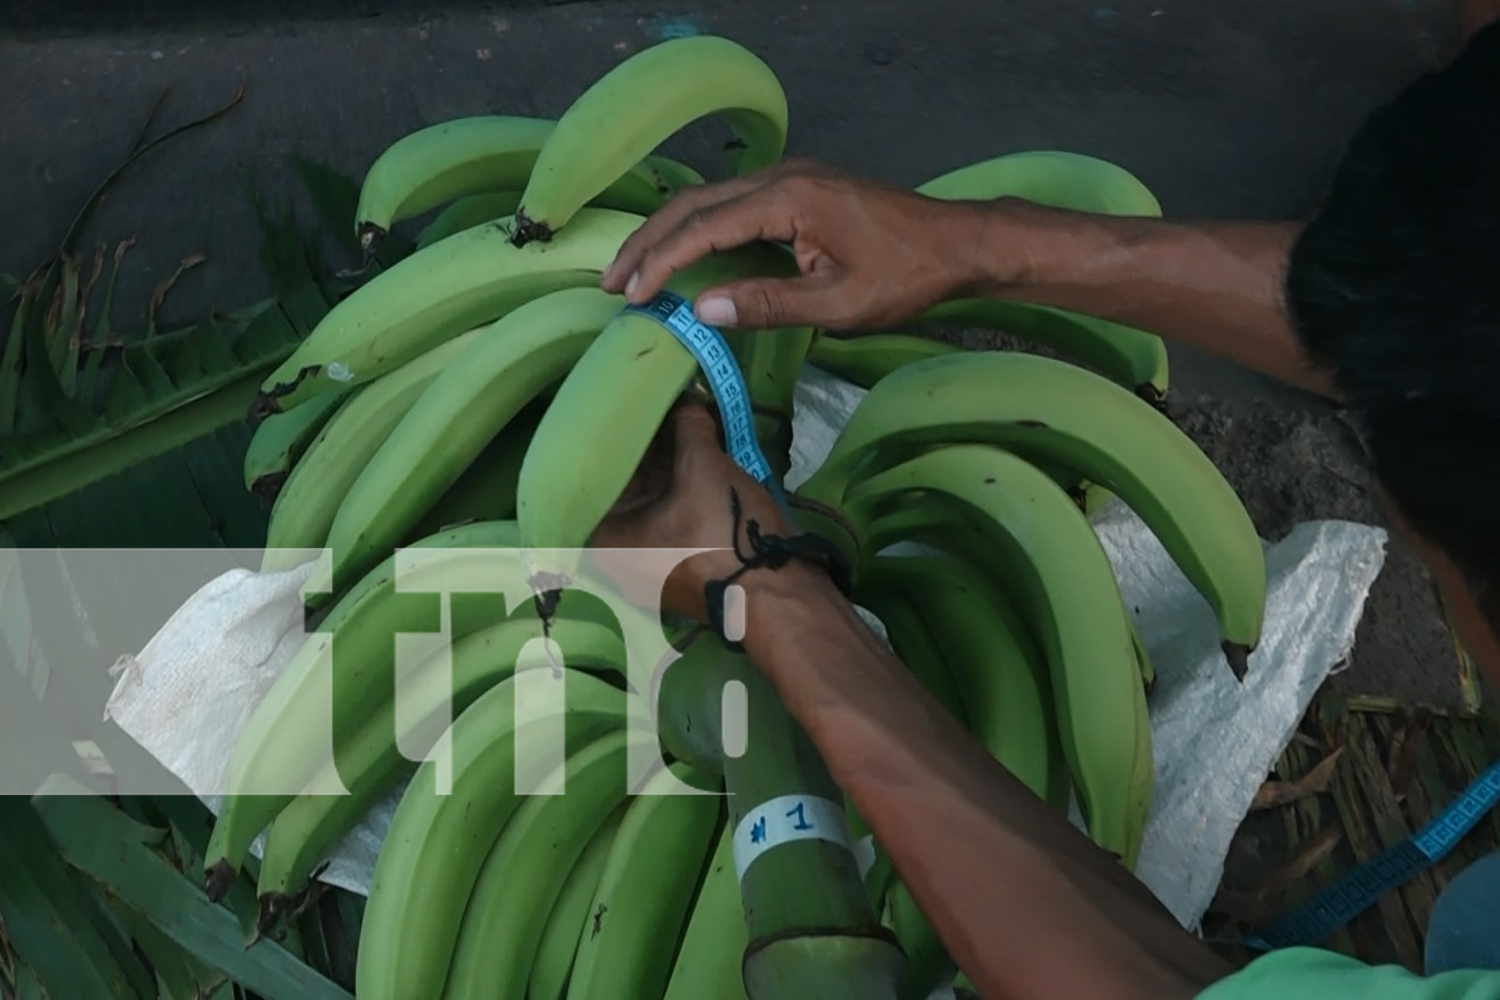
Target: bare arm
[
  {"x": 1216, "y": 286},
  {"x": 873, "y": 256},
  {"x": 1025, "y": 904}
]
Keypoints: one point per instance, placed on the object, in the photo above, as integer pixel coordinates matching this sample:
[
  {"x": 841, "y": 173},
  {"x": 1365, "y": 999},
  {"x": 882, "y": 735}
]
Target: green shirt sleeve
[{"x": 1315, "y": 974}]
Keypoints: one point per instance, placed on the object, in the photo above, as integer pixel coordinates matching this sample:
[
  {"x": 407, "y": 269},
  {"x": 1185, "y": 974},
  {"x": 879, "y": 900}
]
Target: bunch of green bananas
[{"x": 483, "y": 393}]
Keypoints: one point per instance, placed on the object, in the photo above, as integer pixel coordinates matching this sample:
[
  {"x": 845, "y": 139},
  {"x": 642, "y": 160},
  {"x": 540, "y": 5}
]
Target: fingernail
[
  {"x": 632, "y": 285},
  {"x": 717, "y": 311}
]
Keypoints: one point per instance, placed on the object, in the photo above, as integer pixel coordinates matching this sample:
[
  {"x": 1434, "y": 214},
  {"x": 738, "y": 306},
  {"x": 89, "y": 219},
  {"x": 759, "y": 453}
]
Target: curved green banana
[
  {"x": 1133, "y": 359},
  {"x": 454, "y": 285},
  {"x": 867, "y": 359},
  {"x": 996, "y": 666},
  {"x": 559, "y": 943},
  {"x": 468, "y": 212},
  {"x": 459, "y": 412},
  {"x": 635, "y": 107},
  {"x": 911, "y": 640},
  {"x": 309, "y": 501},
  {"x": 713, "y": 946},
  {"x": 439, "y": 837},
  {"x": 486, "y": 490},
  {"x": 371, "y": 761},
  {"x": 279, "y": 441},
  {"x": 1055, "y": 178},
  {"x": 1060, "y": 179},
  {"x": 1071, "y": 598},
  {"x": 1048, "y": 409},
  {"x": 528, "y": 866},
  {"x": 472, "y": 156},
  {"x": 286, "y": 740},
  {"x": 609, "y": 409},
  {"x": 645, "y": 890}
]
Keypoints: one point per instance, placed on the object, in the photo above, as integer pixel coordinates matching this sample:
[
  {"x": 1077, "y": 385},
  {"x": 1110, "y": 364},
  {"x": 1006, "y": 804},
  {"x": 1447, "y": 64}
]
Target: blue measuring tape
[
  {"x": 711, "y": 351},
  {"x": 1333, "y": 907}
]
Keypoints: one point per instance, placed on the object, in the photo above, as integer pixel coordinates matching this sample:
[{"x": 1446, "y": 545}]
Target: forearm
[
  {"x": 1216, "y": 286},
  {"x": 1018, "y": 895}
]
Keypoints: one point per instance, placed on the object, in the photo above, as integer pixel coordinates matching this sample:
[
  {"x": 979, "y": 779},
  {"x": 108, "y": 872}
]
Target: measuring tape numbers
[{"x": 709, "y": 348}]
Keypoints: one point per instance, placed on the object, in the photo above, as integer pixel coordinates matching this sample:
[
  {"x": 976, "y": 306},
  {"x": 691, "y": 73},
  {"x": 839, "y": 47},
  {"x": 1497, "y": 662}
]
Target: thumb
[{"x": 767, "y": 302}]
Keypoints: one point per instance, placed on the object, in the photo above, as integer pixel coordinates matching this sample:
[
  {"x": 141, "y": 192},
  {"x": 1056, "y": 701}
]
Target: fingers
[
  {"x": 664, "y": 220},
  {"x": 759, "y": 303}
]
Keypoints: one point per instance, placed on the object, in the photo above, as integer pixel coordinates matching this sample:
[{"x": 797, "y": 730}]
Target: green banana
[
  {"x": 1135, "y": 360},
  {"x": 559, "y": 942},
  {"x": 1142, "y": 655},
  {"x": 529, "y": 864},
  {"x": 371, "y": 761},
  {"x": 474, "y": 156},
  {"x": 867, "y": 359},
  {"x": 672, "y": 175},
  {"x": 1059, "y": 179},
  {"x": 1039, "y": 407},
  {"x": 772, "y": 361},
  {"x": 668, "y": 176},
  {"x": 459, "y": 412},
  {"x": 438, "y": 838},
  {"x": 469, "y": 279},
  {"x": 306, "y": 507},
  {"x": 997, "y": 667},
  {"x": 607, "y": 412},
  {"x": 1054, "y": 178},
  {"x": 635, "y": 107},
  {"x": 468, "y": 212},
  {"x": 486, "y": 491},
  {"x": 927, "y": 956},
  {"x": 1070, "y": 596},
  {"x": 910, "y": 638},
  {"x": 280, "y": 440},
  {"x": 284, "y": 742},
  {"x": 713, "y": 946},
  {"x": 645, "y": 891}
]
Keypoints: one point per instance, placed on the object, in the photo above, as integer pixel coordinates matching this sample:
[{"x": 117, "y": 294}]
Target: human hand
[
  {"x": 871, "y": 255},
  {"x": 679, "y": 499}
]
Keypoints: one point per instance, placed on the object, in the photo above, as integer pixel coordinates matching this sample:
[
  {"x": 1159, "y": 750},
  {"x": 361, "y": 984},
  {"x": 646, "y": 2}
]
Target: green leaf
[
  {"x": 39, "y": 378},
  {"x": 335, "y": 196},
  {"x": 10, "y": 286},
  {"x": 54, "y": 926},
  {"x": 12, "y": 361},
  {"x": 88, "y": 831},
  {"x": 32, "y": 741},
  {"x": 66, "y": 307}
]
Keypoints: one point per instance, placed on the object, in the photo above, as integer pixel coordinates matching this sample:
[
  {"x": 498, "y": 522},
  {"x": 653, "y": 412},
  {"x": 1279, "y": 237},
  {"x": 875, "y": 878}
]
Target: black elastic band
[{"x": 770, "y": 552}]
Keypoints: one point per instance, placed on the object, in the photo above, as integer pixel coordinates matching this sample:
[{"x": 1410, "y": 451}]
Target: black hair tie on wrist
[{"x": 770, "y": 552}]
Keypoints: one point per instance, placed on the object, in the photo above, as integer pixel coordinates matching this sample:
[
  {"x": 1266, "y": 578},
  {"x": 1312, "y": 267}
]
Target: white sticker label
[
  {"x": 339, "y": 372},
  {"x": 785, "y": 820}
]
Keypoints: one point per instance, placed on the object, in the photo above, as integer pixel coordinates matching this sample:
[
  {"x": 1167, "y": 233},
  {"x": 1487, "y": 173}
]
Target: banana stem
[
  {"x": 824, "y": 967},
  {"x": 813, "y": 930}
]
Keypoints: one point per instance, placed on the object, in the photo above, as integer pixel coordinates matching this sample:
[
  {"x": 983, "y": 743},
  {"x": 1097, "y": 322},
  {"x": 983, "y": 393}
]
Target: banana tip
[
  {"x": 219, "y": 878},
  {"x": 1238, "y": 655},
  {"x": 529, "y": 229},
  {"x": 272, "y": 906},
  {"x": 268, "y": 486},
  {"x": 370, "y": 237},
  {"x": 263, "y": 406}
]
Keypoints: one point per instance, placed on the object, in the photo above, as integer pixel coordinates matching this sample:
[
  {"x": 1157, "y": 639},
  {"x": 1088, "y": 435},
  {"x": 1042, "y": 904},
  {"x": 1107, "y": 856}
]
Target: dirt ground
[{"x": 1235, "y": 109}]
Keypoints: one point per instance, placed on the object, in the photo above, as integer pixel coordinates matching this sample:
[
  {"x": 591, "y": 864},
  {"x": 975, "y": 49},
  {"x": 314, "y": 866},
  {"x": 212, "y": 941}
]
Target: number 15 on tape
[{"x": 786, "y": 820}]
